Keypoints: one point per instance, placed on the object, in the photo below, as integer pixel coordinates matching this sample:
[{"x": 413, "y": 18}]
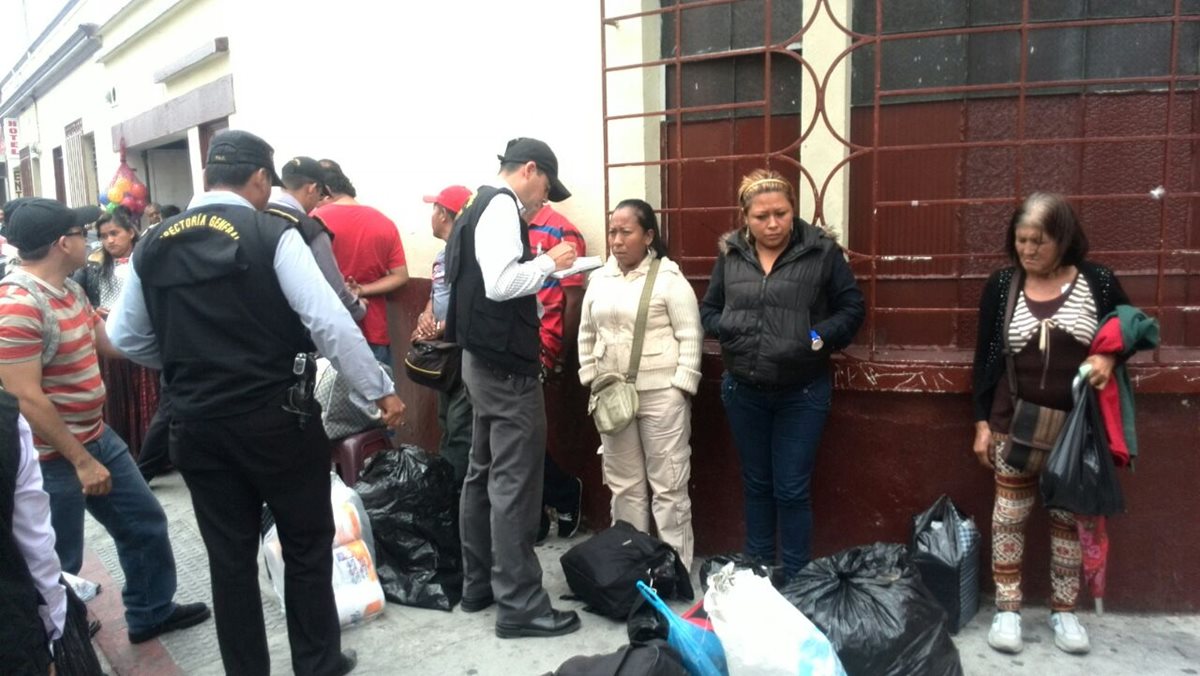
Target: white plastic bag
[
  {"x": 356, "y": 586},
  {"x": 762, "y": 633},
  {"x": 86, "y": 590}
]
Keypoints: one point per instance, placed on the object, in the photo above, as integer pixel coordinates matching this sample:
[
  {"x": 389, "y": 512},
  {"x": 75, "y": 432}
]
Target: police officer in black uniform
[
  {"x": 303, "y": 188},
  {"x": 223, "y": 299}
]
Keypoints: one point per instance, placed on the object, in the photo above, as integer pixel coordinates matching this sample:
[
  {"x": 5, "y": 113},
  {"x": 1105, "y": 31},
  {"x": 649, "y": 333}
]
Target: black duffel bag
[
  {"x": 653, "y": 658},
  {"x": 604, "y": 570}
]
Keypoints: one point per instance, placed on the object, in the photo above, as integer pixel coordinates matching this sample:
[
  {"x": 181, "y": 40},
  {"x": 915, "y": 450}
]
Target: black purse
[{"x": 434, "y": 363}]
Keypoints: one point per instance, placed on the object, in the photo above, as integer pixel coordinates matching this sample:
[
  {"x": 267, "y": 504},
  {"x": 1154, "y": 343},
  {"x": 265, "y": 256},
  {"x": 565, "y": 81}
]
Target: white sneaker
[
  {"x": 1069, "y": 635},
  {"x": 1005, "y": 635}
]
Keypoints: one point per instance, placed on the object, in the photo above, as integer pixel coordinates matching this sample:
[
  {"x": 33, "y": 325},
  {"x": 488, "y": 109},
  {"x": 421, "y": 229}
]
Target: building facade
[{"x": 911, "y": 129}]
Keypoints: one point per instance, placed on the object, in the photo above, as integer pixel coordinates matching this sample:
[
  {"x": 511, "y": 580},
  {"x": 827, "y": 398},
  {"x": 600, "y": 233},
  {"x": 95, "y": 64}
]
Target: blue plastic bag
[{"x": 701, "y": 650}]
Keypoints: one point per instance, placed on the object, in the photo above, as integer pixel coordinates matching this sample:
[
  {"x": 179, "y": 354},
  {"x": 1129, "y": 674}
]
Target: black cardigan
[{"x": 989, "y": 346}]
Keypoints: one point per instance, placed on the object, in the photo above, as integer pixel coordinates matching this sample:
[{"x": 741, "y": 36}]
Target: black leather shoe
[
  {"x": 569, "y": 522},
  {"x": 470, "y": 605},
  {"x": 184, "y": 616},
  {"x": 349, "y": 661},
  {"x": 543, "y": 528},
  {"x": 553, "y": 623}
]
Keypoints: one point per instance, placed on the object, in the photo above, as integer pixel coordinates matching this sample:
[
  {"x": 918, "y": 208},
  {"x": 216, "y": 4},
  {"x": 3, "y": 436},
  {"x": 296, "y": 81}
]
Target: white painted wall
[
  {"x": 170, "y": 177},
  {"x": 408, "y": 97},
  {"x": 80, "y": 95},
  {"x": 411, "y": 97}
]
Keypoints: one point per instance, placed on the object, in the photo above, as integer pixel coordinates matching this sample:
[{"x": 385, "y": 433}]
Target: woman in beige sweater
[{"x": 646, "y": 465}]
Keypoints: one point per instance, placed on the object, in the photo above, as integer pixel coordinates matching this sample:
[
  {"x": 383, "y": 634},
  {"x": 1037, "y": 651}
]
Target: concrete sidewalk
[{"x": 418, "y": 642}]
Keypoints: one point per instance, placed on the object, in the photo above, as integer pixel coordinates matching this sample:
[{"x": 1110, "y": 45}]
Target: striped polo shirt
[{"x": 72, "y": 378}]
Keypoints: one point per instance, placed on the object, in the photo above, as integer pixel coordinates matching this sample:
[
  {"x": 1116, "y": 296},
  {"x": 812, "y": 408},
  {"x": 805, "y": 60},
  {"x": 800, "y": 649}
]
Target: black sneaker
[
  {"x": 543, "y": 528},
  {"x": 568, "y": 522}
]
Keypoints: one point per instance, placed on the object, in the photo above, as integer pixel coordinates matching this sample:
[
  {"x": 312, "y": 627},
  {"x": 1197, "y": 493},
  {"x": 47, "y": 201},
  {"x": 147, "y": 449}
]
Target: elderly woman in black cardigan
[{"x": 1037, "y": 319}]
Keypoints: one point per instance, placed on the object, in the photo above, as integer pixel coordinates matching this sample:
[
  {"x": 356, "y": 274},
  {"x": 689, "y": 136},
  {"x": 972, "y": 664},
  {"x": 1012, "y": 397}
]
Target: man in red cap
[{"x": 454, "y": 408}]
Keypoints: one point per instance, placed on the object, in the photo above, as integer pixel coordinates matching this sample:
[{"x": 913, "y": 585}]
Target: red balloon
[
  {"x": 128, "y": 201},
  {"x": 138, "y": 190}
]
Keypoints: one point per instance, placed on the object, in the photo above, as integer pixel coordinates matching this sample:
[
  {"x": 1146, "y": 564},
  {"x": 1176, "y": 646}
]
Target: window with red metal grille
[{"x": 957, "y": 110}]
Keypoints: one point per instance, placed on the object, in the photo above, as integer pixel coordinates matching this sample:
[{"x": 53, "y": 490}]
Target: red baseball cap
[{"x": 452, "y": 198}]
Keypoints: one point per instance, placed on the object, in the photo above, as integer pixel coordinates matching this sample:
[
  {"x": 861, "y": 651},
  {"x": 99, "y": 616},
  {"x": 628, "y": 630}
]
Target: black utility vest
[
  {"x": 308, "y": 226},
  {"x": 227, "y": 335},
  {"x": 504, "y": 334}
]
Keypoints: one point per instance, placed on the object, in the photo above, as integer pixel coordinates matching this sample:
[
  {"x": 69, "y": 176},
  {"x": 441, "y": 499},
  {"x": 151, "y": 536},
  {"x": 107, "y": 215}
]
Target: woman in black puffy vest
[{"x": 781, "y": 300}]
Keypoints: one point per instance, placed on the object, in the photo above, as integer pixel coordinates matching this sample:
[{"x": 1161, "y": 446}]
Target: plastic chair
[{"x": 351, "y": 453}]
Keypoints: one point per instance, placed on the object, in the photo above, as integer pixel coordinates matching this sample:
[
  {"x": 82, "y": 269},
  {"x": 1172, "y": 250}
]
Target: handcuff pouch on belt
[{"x": 298, "y": 398}]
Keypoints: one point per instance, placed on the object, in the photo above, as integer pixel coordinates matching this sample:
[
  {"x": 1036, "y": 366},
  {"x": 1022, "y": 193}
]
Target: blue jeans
[
  {"x": 383, "y": 353},
  {"x": 777, "y": 433},
  {"x": 131, "y": 515}
]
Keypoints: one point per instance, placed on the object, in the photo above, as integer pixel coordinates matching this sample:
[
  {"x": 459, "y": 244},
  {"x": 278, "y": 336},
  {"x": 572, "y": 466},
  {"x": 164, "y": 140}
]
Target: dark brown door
[{"x": 60, "y": 176}]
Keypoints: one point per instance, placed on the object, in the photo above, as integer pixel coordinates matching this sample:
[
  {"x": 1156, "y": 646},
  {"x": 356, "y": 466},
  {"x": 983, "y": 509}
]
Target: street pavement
[{"x": 429, "y": 642}]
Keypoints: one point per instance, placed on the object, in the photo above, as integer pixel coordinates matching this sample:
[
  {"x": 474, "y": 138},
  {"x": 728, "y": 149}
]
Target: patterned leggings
[{"x": 1015, "y": 493}]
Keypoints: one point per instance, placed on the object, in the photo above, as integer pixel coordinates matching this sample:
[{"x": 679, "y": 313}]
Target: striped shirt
[
  {"x": 72, "y": 378},
  {"x": 1076, "y": 316}
]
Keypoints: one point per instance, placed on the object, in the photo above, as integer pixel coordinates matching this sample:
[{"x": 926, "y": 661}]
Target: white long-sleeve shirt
[
  {"x": 35, "y": 536},
  {"x": 322, "y": 313},
  {"x": 498, "y": 249}
]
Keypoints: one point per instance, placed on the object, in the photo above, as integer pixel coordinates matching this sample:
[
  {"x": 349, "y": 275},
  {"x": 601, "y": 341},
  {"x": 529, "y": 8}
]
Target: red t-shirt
[
  {"x": 366, "y": 245},
  {"x": 546, "y": 229}
]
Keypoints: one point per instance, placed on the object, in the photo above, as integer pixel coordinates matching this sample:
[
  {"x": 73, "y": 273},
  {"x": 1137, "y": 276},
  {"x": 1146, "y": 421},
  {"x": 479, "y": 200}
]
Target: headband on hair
[{"x": 760, "y": 182}]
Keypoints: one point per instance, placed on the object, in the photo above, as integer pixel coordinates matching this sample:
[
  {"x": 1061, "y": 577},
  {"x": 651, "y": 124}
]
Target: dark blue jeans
[
  {"x": 131, "y": 515},
  {"x": 777, "y": 433},
  {"x": 383, "y": 353}
]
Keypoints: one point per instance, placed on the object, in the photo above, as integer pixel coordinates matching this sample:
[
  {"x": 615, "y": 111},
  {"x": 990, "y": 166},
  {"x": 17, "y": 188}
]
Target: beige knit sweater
[{"x": 671, "y": 351}]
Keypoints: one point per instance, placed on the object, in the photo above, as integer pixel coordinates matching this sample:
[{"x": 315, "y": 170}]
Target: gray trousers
[{"x": 502, "y": 495}]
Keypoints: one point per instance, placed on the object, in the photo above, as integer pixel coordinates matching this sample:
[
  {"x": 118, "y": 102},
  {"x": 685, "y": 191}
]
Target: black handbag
[{"x": 434, "y": 363}]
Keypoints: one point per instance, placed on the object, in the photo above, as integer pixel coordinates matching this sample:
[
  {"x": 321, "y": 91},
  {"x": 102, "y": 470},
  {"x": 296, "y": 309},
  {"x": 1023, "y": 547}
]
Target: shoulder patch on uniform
[{"x": 283, "y": 214}]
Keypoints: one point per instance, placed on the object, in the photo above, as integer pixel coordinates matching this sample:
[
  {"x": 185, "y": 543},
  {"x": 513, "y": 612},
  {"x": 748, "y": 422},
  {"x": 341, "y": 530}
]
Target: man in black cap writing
[
  {"x": 493, "y": 314},
  {"x": 223, "y": 299},
  {"x": 49, "y": 337}
]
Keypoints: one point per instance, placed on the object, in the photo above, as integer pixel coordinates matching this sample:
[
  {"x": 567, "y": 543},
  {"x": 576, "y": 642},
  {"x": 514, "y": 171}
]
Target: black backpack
[{"x": 603, "y": 571}]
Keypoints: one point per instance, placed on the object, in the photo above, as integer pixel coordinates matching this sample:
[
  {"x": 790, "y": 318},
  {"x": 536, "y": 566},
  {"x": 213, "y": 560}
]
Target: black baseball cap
[
  {"x": 307, "y": 169},
  {"x": 33, "y": 222},
  {"x": 533, "y": 150},
  {"x": 234, "y": 146}
]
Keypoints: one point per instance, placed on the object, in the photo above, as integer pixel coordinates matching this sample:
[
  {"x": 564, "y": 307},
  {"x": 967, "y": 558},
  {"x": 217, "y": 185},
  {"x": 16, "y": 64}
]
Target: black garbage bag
[
  {"x": 411, "y": 500},
  {"x": 1080, "y": 476},
  {"x": 881, "y": 619},
  {"x": 74, "y": 653},
  {"x": 945, "y": 549}
]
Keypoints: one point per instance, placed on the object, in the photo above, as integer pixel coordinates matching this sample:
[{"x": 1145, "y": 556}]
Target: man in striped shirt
[{"x": 49, "y": 338}]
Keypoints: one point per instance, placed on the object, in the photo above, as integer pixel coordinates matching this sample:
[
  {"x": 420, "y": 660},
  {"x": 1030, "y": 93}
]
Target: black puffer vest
[{"x": 765, "y": 324}]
